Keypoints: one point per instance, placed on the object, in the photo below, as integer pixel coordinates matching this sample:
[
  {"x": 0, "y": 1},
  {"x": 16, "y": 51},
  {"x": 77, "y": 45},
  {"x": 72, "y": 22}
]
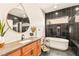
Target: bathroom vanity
[
  {"x": 18, "y": 48},
  {"x": 19, "y": 22}
]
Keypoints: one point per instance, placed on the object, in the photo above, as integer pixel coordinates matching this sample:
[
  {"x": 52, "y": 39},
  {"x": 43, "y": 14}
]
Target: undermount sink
[{"x": 25, "y": 41}]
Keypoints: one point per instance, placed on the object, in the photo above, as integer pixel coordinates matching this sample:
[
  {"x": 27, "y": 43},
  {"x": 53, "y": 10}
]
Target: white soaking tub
[{"x": 57, "y": 43}]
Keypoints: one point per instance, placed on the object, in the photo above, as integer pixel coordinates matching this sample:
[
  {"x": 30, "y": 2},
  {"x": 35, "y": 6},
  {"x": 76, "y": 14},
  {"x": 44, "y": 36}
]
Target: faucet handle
[{"x": 22, "y": 37}]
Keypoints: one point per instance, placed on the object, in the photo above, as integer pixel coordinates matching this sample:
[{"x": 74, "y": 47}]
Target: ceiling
[
  {"x": 18, "y": 12},
  {"x": 46, "y": 7},
  {"x": 55, "y": 6}
]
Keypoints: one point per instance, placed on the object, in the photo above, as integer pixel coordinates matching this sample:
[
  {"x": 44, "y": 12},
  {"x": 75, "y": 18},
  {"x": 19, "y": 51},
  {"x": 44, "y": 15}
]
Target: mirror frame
[{"x": 10, "y": 26}]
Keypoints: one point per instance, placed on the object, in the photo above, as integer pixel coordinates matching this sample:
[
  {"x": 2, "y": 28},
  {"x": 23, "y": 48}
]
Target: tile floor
[{"x": 55, "y": 52}]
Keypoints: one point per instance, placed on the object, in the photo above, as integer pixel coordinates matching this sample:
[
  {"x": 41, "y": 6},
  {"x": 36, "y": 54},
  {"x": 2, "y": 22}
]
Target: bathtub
[{"x": 57, "y": 43}]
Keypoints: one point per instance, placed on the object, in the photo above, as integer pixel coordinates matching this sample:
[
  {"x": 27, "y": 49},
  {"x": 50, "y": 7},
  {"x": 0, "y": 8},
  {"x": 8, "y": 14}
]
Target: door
[{"x": 58, "y": 31}]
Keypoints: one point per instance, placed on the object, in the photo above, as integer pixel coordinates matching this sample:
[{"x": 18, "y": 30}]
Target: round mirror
[{"x": 18, "y": 20}]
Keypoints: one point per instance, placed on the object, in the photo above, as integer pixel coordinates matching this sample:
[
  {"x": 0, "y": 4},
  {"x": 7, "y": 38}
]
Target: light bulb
[{"x": 56, "y": 13}]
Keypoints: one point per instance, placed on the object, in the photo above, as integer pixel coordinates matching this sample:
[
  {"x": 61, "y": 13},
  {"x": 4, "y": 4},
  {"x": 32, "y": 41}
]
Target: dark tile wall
[
  {"x": 73, "y": 36},
  {"x": 51, "y": 29}
]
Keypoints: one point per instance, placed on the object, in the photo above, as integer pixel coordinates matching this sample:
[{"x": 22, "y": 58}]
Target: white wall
[{"x": 35, "y": 15}]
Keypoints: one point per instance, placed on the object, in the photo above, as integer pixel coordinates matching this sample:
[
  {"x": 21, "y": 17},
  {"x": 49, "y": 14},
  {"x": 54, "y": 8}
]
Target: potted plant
[
  {"x": 2, "y": 33},
  {"x": 33, "y": 29}
]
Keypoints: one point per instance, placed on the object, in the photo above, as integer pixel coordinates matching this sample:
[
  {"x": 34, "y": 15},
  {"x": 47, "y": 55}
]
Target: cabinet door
[{"x": 15, "y": 53}]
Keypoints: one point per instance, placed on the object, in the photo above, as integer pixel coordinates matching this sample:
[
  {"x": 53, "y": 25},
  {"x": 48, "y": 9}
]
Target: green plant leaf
[
  {"x": 4, "y": 32},
  {"x": 2, "y": 26}
]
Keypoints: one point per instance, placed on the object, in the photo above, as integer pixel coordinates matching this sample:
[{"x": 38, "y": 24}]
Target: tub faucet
[{"x": 22, "y": 37}]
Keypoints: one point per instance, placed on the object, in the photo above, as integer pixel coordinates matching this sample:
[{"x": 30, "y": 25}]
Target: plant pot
[{"x": 1, "y": 41}]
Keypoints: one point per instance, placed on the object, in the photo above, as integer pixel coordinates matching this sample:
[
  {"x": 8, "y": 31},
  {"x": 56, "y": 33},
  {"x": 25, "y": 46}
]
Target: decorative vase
[
  {"x": 1, "y": 41},
  {"x": 33, "y": 29}
]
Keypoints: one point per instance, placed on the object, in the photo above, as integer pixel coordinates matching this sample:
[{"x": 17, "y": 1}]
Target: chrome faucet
[{"x": 22, "y": 37}]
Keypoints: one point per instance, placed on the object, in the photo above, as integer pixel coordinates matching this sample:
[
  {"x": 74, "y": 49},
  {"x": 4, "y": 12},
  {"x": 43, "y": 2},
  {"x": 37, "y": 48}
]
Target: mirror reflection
[{"x": 18, "y": 20}]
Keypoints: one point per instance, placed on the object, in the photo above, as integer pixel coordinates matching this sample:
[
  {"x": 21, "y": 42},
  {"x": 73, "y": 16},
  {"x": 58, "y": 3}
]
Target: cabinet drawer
[{"x": 15, "y": 53}]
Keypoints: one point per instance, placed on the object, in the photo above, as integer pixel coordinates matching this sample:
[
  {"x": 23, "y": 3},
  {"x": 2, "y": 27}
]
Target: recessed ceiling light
[
  {"x": 55, "y": 6},
  {"x": 24, "y": 15},
  {"x": 56, "y": 13},
  {"x": 77, "y": 8}
]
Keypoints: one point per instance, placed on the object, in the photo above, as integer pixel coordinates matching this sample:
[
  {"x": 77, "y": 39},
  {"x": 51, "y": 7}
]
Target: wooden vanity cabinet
[
  {"x": 15, "y": 53},
  {"x": 37, "y": 48},
  {"x": 32, "y": 49},
  {"x": 28, "y": 53},
  {"x": 27, "y": 50}
]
